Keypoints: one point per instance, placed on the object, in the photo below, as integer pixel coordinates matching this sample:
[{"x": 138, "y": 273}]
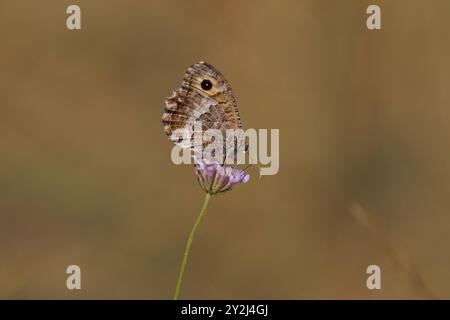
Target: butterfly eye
[{"x": 206, "y": 85}]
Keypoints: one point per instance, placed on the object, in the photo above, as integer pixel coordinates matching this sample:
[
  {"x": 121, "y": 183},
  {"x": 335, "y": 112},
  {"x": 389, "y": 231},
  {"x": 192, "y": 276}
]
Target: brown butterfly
[{"x": 205, "y": 97}]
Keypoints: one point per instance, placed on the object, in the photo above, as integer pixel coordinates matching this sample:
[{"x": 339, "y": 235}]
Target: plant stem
[{"x": 189, "y": 244}]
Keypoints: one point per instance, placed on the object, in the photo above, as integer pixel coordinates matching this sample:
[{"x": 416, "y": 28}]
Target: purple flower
[{"x": 215, "y": 178}]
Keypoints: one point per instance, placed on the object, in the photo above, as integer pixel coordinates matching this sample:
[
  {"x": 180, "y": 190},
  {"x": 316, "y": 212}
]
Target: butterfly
[{"x": 204, "y": 101}]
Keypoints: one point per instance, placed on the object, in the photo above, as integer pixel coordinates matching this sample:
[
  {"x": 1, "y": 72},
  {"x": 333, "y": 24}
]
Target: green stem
[{"x": 188, "y": 246}]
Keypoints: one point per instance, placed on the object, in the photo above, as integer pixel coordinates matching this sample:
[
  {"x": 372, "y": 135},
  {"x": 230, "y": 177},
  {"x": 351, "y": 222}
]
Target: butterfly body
[{"x": 205, "y": 98}]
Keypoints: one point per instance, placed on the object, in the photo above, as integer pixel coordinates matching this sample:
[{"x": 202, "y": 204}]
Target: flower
[{"x": 215, "y": 178}]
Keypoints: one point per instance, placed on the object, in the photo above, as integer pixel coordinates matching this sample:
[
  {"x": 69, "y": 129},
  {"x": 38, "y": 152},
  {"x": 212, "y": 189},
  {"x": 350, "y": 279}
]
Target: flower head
[{"x": 215, "y": 178}]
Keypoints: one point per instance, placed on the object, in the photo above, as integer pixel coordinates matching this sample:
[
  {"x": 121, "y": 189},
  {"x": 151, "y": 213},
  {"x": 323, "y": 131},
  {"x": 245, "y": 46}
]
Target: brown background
[{"x": 85, "y": 170}]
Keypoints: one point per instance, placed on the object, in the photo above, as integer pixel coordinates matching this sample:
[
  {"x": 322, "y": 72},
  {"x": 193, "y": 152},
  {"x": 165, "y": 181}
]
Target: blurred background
[{"x": 86, "y": 176}]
